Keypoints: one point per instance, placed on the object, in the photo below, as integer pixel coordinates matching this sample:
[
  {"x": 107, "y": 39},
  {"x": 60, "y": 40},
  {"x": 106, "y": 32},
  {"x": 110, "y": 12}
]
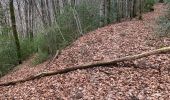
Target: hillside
[{"x": 150, "y": 80}]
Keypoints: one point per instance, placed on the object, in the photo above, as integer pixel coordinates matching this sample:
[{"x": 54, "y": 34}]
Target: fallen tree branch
[
  {"x": 90, "y": 65},
  {"x": 53, "y": 59}
]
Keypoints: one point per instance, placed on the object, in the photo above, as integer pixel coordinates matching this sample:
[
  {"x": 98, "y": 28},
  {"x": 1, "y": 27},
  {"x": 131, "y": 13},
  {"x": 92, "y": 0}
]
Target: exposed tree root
[{"x": 90, "y": 65}]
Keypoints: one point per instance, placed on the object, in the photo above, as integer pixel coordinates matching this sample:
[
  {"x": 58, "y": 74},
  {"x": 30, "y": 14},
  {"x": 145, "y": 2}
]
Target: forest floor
[{"x": 149, "y": 81}]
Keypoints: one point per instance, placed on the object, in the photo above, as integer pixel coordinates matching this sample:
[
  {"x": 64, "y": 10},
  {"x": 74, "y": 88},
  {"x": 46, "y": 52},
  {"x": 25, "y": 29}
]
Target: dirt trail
[{"x": 125, "y": 82}]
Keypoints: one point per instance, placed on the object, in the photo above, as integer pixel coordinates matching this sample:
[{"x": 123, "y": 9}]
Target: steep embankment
[{"x": 113, "y": 41}]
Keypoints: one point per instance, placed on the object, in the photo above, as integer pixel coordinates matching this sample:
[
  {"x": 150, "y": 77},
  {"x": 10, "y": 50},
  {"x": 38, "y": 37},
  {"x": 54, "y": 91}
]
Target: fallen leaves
[{"x": 117, "y": 40}]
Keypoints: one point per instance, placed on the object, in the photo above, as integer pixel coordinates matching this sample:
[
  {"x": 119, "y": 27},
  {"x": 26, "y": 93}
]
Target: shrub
[
  {"x": 8, "y": 57},
  {"x": 149, "y": 5},
  {"x": 163, "y": 28},
  {"x": 27, "y": 48}
]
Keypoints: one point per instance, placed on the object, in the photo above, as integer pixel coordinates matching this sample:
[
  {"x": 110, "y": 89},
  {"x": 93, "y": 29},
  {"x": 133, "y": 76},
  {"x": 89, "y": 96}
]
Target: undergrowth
[
  {"x": 163, "y": 29},
  {"x": 68, "y": 26},
  {"x": 8, "y": 55}
]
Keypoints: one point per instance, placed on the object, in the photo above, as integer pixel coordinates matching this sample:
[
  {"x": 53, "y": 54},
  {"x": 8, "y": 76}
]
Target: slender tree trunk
[
  {"x": 30, "y": 18},
  {"x": 102, "y": 13},
  {"x": 117, "y": 11},
  {"x": 121, "y": 8},
  {"x": 108, "y": 10},
  {"x": 20, "y": 16},
  {"x": 126, "y": 10},
  {"x": 134, "y": 8},
  {"x": 26, "y": 8},
  {"x": 130, "y": 8},
  {"x": 43, "y": 13},
  {"x": 140, "y": 9},
  {"x": 55, "y": 10},
  {"x": 61, "y": 6},
  {"x": 15, "y": 31},
  {"x": 48, "y": 13}
]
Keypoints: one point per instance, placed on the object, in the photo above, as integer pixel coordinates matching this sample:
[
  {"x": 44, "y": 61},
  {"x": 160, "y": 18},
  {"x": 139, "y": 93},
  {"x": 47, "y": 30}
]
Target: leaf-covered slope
[{"x": 113, "y": 41}]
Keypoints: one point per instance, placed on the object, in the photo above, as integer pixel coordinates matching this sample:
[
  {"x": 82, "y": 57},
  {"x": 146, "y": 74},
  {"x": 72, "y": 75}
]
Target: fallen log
[{"x": 90, "y": 65}]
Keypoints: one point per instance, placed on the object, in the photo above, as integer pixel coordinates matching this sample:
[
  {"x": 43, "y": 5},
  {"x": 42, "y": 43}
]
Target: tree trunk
[
  {"x": 102, "y": 13},
  {"x": 140, "y": 9},
  {"x": 131, "y": 8},
  {"x": 20, "y": 16},
  {"x": 26, "y": 8},
  {"x": 134, "y": 8},
  {"x": 108, "y": 10},
  {"x": 61, "y": 6},
  {"x": 117, "y": 11},
  {"x": 15, "y": 31},
  {"x": 31, "y": 22},
  {"x": 48, "y": 13}
]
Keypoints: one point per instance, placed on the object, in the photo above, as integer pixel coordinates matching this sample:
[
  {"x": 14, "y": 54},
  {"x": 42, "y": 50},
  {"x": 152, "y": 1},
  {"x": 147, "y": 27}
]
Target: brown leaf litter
[{"x": 110, "y": 83}]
